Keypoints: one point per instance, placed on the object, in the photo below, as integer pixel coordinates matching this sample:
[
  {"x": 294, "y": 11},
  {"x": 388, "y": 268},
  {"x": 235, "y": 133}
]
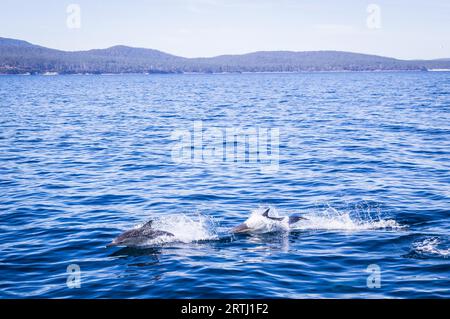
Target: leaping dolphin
[
  {"x": 138, "y": 236},
  {"x": 264, "y": 223}
]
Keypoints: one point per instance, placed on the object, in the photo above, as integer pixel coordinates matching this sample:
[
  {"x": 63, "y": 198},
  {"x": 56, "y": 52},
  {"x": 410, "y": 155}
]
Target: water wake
[
  {"x": 333, "y": 219},
  {"x": 188, "y": 229},
  {"x": 431, "y": 246},
  {"x": 330, "y": 218}
]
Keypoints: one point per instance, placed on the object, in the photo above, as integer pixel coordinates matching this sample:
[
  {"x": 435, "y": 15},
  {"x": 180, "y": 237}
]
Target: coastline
[{"x": 224, "y": 73}]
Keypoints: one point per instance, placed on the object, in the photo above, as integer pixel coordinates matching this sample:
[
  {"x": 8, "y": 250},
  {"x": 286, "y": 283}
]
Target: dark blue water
[{"x": 364, "y": 156}]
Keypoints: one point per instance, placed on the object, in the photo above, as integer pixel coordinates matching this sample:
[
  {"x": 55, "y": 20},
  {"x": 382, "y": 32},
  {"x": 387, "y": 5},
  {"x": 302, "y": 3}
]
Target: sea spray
[
  {"x": 432, "y": 246},
  {"x": 185, "y": 228},
  {"x": 356, "y": 218}
]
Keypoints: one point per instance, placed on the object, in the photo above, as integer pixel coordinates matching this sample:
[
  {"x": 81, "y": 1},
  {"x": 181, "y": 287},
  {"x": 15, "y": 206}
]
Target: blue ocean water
[{"x": 364, "y": 156}]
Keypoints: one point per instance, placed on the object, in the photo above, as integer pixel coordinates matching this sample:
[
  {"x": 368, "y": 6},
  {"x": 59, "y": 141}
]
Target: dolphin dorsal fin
[
  {"x": 266, "y": 214},
  {"x": 148, "y": 224}
]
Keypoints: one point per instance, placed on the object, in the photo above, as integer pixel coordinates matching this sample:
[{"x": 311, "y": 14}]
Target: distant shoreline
[
  {"x": 222, "y": 73},
  {"x": 21, "y": 57}
]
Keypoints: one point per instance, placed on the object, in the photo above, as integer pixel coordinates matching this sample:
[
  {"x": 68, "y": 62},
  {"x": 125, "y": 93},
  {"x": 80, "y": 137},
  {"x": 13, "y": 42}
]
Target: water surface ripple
[{"x": 84, "y": 157}]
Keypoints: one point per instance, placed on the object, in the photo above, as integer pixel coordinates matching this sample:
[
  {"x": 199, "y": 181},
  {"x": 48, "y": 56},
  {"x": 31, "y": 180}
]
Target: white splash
[
  {"x": 185, "y": 229},
  {"x": 188, "y": 229},
  {"x": 260, "y": 224},
  {"x": 343, "y": 221},
  {"x": 430, "y": 246},
  {"x": 332, "y": 219}
]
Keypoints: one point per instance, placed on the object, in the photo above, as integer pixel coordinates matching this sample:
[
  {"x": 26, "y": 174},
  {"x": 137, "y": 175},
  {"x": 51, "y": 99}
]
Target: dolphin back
[{"x": 295, "y": 218}]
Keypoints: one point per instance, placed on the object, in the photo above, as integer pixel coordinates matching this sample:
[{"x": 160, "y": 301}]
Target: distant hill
[
  {"x": 17, "y": 56},
  {"x": 286, "y": 61},
  {"x": 434, "y": 64}
]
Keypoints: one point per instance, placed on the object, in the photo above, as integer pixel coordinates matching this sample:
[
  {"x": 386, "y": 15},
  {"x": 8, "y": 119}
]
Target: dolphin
[
  {"x": 138, "y": 236},
  {"x": 256, "y": 224}
]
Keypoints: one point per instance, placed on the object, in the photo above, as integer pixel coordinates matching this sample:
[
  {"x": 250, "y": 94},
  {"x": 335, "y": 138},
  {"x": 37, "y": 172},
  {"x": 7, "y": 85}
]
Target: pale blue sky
[{"x": 409, "y": 29}]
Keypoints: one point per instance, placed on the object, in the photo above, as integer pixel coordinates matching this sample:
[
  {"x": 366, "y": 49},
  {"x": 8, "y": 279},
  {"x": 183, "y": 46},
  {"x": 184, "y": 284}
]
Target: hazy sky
[{"x": 406, "y": 29}]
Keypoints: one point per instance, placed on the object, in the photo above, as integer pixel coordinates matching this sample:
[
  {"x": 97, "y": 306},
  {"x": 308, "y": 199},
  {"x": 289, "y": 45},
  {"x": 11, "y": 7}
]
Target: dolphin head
[
  {"x": 253, "y": 224},
  {"x": 138, "y": 236},
  {"x": 241, "y": 228},
  {"x": 132, "y": 237}
]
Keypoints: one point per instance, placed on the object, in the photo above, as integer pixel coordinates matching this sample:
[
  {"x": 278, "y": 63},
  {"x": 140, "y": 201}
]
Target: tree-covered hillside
[{"x": 17, "y": 57}]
